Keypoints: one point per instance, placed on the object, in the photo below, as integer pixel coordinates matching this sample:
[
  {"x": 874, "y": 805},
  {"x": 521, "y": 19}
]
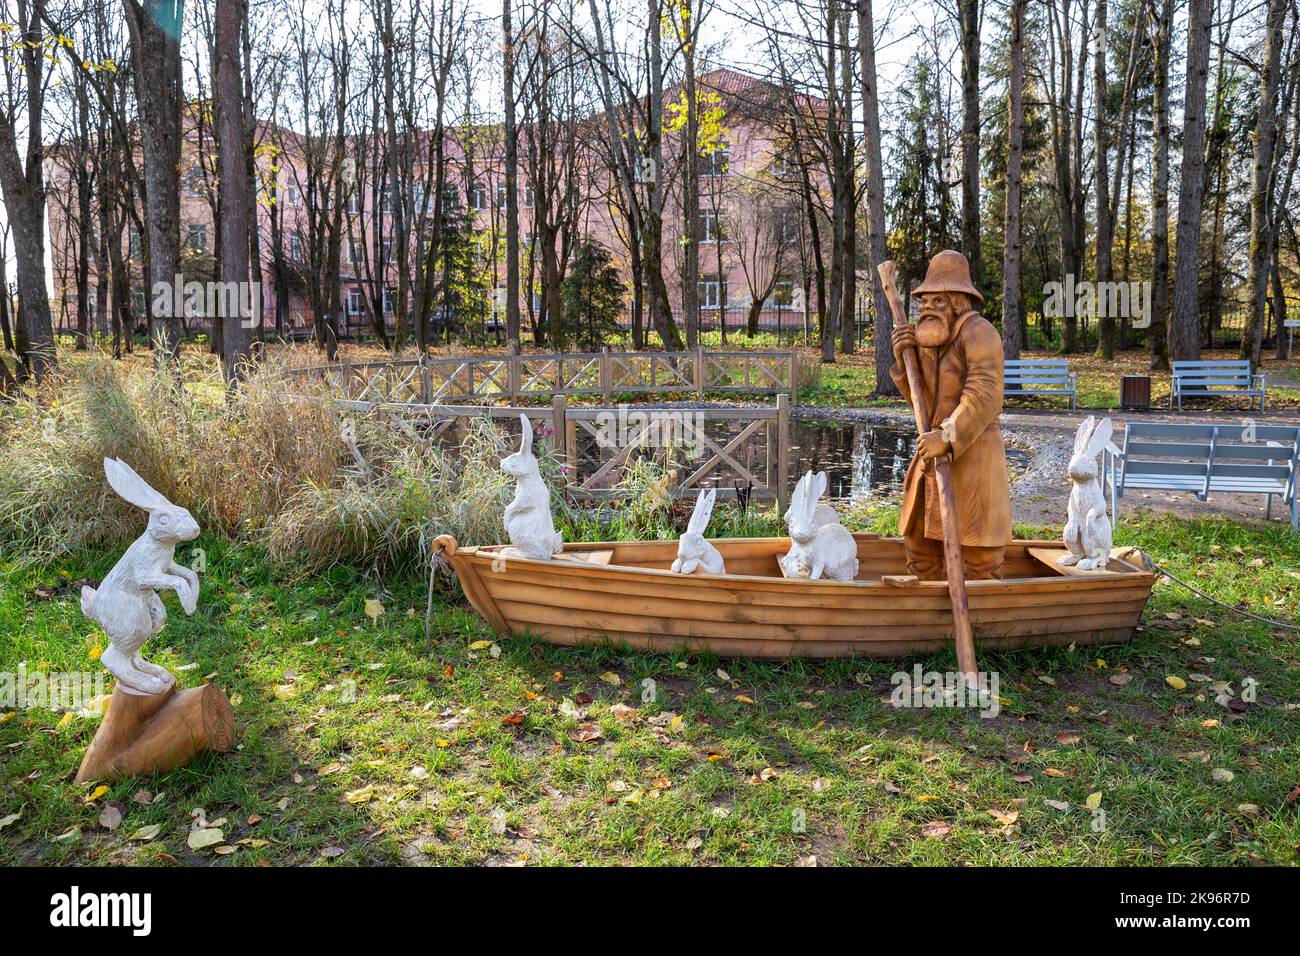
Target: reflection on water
[{"x": 861, "y": 459}]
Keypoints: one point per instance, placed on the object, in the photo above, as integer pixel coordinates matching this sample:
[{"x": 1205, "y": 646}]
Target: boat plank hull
[{"x": 634, "y": 601}]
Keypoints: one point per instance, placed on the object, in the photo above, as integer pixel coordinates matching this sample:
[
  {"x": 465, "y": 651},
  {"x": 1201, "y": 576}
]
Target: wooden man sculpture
[
  {"x": 149, "y": 726},
  {"x": 960, "y": 366}
]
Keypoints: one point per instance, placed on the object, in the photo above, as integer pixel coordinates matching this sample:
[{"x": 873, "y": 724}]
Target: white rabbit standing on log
[
  {"x": 126, "y": 605},
  {"x": 1087, "y": 532},
  {"x": 528, "y": 517},
  {"x": 694, "y": 553},
  {"x": 820, "y": 548}
]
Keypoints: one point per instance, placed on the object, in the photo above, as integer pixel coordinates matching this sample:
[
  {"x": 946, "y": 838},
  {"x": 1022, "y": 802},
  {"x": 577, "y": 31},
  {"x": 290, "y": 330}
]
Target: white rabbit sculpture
[
  {"x": 528, "y": 516},
  {"x": 820, "y": 547},
  {"x": 126, "y": 605},
  {"x": 1087, "y": 532},
  {"x": 694, "y": 553}
]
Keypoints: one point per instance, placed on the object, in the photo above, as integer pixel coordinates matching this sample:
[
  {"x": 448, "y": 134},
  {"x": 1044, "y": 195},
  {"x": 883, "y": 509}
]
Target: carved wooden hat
[{"x": 949, "y": 272}]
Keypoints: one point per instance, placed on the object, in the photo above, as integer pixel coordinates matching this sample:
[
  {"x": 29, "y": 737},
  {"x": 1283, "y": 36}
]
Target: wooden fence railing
[
  {"x": 749, "y": 446},
  {"x": 469, "y": 379}
]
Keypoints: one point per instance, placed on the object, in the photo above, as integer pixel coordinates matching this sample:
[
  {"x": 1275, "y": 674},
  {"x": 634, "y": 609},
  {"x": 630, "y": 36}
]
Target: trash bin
[{"x": 1135, "y": 393}]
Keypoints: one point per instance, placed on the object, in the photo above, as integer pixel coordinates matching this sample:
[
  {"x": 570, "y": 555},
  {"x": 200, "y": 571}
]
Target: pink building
[{"x": 756, "y": 242}]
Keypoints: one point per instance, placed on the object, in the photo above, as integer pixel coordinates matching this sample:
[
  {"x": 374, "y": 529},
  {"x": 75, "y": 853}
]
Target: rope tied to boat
[
  {"x": 443, "y": 544},
  {"x": 1272, "y": 622}
]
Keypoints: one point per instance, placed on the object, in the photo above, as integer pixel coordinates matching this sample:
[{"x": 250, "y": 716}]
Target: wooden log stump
[{"x": 158, "y": 732}]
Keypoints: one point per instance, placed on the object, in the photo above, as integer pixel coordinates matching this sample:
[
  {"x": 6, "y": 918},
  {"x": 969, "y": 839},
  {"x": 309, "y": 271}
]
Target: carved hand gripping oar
[{"x": 962, "y": 634}]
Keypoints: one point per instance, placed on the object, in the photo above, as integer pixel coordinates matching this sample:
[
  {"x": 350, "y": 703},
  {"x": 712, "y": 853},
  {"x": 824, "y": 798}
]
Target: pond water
[{"x": 862, "y": 459}]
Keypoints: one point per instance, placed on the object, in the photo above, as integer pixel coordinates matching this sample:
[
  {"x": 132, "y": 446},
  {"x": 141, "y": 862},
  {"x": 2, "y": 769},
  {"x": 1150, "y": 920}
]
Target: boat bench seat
[{"x": 1202, "y": 459}]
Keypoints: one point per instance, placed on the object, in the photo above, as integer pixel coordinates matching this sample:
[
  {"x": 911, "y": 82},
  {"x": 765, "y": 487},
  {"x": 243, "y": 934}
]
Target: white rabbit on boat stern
[
  {"x": 528, "y": 516},
  {"x": 694, "y": 553},
  {"x": 126, "y": 604},
  {"x": 817, "y": 549},
  {"x": 1087, "y": 533}
]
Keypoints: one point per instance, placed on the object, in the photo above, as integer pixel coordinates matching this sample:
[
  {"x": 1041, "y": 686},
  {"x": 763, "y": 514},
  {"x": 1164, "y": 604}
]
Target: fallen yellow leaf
[{"x": 360, "y": 796}]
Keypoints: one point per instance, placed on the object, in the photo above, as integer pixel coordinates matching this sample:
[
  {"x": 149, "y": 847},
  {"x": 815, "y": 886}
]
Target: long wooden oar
[{"x": 962, "y": 634}]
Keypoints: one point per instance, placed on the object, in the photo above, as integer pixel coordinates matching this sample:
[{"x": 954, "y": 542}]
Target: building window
[
  {"x": 530, "y": 197},
  {"x": 194, "y": 182},
  {"x": 712, "y": 291},
  {"x": 784, "y": 161},
  {"x": 390, "y": 299},
  {"x": 710, "y": 226},
  {"x": 196, "y": 238},
  {"x": 478, "y": 198},
  {"x": 139, "y": 306},
  {"x": 295, "y": 248},
  {"x": 501, "y": 197},
  {"x": 715, "y": 163},
  {"x": 356, "y": 254},
  {"x": 354, "y": 201},
  {"x": 354, "y": 301},
  {"x": 785, "y": 226},
  {"x": 783, "y": 293},
  {"x": 133, "y": 244},
  {"x": 450, "y": 197}
]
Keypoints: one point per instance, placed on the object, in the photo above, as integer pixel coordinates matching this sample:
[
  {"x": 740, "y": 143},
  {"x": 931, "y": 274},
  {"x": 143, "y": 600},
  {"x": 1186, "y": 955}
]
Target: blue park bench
[
  {"x": 1196, "y": 379},
  {"x": 1040, "y": 377},
  {"x": 1249, "y": 459}
]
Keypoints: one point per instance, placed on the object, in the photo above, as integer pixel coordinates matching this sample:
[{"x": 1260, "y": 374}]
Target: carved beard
[{"x": 932, "y": 332}]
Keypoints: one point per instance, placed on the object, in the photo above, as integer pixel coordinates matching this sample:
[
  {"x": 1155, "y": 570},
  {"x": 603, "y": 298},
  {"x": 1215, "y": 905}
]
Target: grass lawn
[{"x": 360, "y": 743}]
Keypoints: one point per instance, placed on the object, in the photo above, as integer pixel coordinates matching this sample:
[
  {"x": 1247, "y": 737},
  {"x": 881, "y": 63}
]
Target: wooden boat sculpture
[{"x": 624, "y": 593}]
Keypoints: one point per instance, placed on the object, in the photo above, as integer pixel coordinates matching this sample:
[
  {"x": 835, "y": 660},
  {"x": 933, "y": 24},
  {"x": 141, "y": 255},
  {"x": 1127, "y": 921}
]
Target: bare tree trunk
[
  {"x": 512, "y": 186},
  {"x": 691, "y": 203},
  {"x": 661, "y": 310},
  {"x": 155, "y": 27},
  {"x": 1185, "y": 326},
  {"x": 22, "y": 179},
  {"x": 250, "y": 173},
  {"x": 849, "y": 191},
  {"x": 1011, "y": 341},
  {"x": 1158, "y": 334},
  {"x": 1261, "y": 182},
  {"x": 1105, "y": 227},
  {"x": 875, "y": 197},
  {"x": 969, "y": 11},
  {"x": 233, "y": 173}
]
